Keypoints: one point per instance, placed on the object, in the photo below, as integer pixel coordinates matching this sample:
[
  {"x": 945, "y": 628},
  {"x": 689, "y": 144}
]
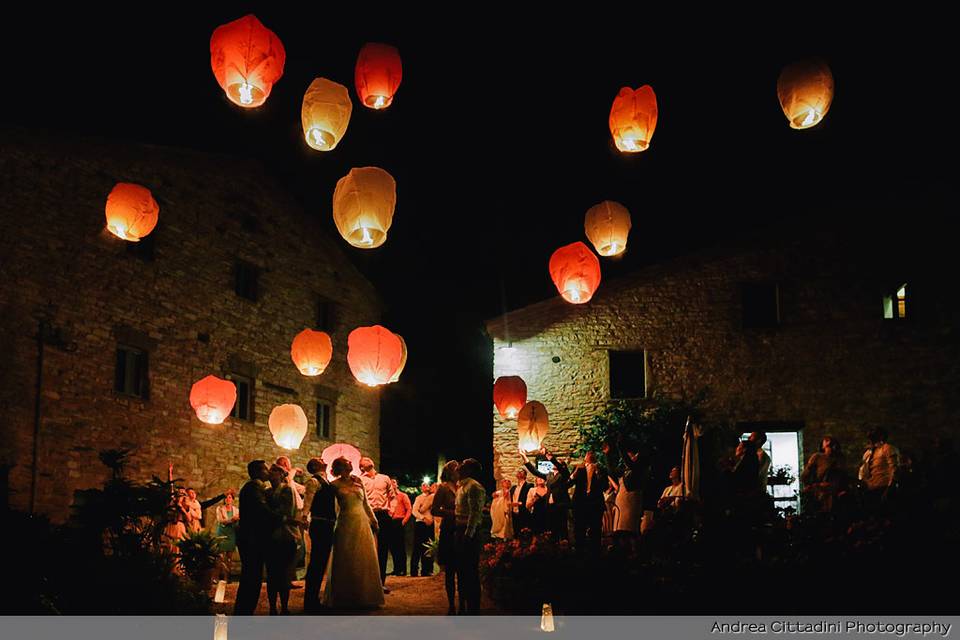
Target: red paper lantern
[
  {"x": 131, "y": 211},
  {"x": 374, "y": 354},
  {"x": 509, "y": 394},
  {"x": 378, "y": 74},
  {"x": 341, "y": 450},
  {"x": 576, "y": 272},
  {"x": 213, "y": 399},
  {"x": 311, "y": 352},
  {"x": 247, "y": 60},
  {"x": 633, "y": 118}
]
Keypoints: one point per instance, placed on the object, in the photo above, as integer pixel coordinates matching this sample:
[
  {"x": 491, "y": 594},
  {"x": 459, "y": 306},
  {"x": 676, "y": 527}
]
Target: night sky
[{"x": 499, "y": 143}]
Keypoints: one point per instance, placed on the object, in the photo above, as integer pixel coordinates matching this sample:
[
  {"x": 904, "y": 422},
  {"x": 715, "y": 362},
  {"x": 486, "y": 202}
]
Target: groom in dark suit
[
  {"x": 589, "y": 482},
  {"x": 253, "y": 536},
  {"x": 558, "y": 501},
  {"x": 323, "y": 517}
]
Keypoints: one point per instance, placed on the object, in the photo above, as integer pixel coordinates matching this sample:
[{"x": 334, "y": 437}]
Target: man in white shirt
[
  {"x": 380, "y": 494},
  {"x": 878, "y": 471},
  {"x": 422, "y": 532}
]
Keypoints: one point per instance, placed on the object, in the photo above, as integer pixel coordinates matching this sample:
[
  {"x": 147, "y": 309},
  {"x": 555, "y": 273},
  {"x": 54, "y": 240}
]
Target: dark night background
[{"x": 498, "y": 140}]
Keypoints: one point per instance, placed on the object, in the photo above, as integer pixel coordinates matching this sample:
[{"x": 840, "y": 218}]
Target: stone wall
[
  {"x": 60, "y": 264},
  {"x": 834, "y": 364}
]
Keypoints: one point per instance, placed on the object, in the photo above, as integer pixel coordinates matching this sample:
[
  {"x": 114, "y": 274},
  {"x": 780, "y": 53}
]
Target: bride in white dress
[{"x": 353, "y": 573}]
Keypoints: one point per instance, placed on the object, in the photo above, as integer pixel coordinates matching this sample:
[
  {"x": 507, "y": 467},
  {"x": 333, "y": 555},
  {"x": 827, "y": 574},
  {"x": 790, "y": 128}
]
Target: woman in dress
[
  {"x": 629, "y": 501},
  {"x": 353, "y": 573},
  {"x": 500, "y": 512},
  {"x": 228, "y": 515},
  {"x": 445, "y": 508},
  {"x": 537, "y": 499},
  {"x": 282, "y": 547}
]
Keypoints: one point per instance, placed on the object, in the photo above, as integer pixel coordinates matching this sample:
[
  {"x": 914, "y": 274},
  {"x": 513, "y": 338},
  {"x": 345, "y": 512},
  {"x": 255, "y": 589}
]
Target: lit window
[{"x": 895, "y": 304}]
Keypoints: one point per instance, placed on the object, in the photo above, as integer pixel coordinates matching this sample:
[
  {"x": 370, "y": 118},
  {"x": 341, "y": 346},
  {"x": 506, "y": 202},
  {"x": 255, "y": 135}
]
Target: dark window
[
  {"x": 628, "y": 375},
  {"x": 243, "y": 409},
  {"x": 326, "y": 314},
  {"x": 761, "y": 305},
  {"x": 324, "y": 420},
  {"x": 131, "y": 372},
  {"x": 246, "y": 280},
  {"x": 895, "y": 304}
]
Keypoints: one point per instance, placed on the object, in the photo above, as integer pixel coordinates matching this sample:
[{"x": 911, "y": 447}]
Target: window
[
  {"x": 326, "y": 314},
  {"x": 895, "y": 304},
  {"x": 243, "y": 409},
  {"x": 628, "y": 374},
  {"x": 761, "y": 305},
  {"x": 246, "y": 280},
  {"x": 324, "y": 420},
  {"x": 131, "y": 372}
]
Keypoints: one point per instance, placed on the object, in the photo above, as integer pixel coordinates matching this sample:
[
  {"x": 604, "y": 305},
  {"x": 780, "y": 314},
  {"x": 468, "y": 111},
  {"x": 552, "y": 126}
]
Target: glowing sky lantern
[
  {"x": 403, "y": 360},
  {"x": 311, "y": 352},
  {"x": 288, "y": 425},
  {"x": 607, "y": 226},
  {"x": 805, "y": 90},
  {"x": 532, "y": 426},
  {"x": 247, "y": 60},
  {"x": 378, "y": 74},
  {"x": 325, "y": 114},
  {"x": 341, "y": 450},
  {"x": 212, "y": 399},
  {"x": 633, "y": 118},
  {"x": 575, "y": 271},
  {"x": 374, "y": 354},
  {"x": 509, "y": 395},
  {"x": 131, "y": 211},
  {"x": 363, "y": 205}
]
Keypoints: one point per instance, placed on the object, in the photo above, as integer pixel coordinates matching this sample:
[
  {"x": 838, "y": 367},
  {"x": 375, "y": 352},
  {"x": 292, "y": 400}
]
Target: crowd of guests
[{"x": 609, "y": 501}]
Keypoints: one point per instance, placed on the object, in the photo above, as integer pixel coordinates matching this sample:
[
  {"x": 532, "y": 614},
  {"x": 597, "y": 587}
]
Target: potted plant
[{"x": 199, "y": 556}]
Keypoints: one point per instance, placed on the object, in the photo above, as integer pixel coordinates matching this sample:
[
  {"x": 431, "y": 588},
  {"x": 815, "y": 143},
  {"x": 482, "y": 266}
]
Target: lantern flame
[
  {"x": 379, "y": 102},
  {"x": 246, "y": 93}
]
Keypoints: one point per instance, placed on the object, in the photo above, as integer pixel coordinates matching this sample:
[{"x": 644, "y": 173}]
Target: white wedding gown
[{"x": 353, "y": 573}]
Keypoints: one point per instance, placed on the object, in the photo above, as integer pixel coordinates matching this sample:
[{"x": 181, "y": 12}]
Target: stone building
[
  {"x": 232, "y": 272},
  {"x": 818, "y": 336}
]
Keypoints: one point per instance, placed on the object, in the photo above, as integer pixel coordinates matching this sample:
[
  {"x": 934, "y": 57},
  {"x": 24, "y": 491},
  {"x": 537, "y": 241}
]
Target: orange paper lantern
[
  {"x": 311, "y": 352},
  {"x": 288, "y": 425},
  {"x": 607, "y": 226},
  {"x": 363, "y": 205},
  {"x": 247, "y": 60},
  {"x": 805, "y": 90},
  {"x": 576, "y": 272},
  {"x": 378, "y": 74},
  {"x": 633, "y": 118},
  {"x": 341, "y": 450},
  {"x": 132, "y": 212},
  {"x": 403, "y": 360},
  {"x": 213, "y": 398},
  {"x": 509, "y": 395},
  {"x": 374, "y": 354},
  {"x": 532, "y": 426},
  {"x": 325, "y": 114}
]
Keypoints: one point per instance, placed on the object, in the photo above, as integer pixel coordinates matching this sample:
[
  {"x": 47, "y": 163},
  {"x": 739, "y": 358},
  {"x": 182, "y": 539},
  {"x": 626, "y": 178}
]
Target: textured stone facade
[
  {"x": 832, "y": 366},
  {"x": 59, "y": 264}
]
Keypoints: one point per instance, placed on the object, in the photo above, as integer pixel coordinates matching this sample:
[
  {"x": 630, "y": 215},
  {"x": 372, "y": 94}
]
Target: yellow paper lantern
[
  {"x": 311, "y": 352},
  {"x": 288, "y": 425},
  {"x": 532, "y": 426},
  {"x": 607, "y": 226},
  {"x": 403, "y": 359},
  {"x": 363, "y": 205},
  {"x": 325, "y": 114},
  {"x": 805, "y": 90},
  {"x": 633, "y": 118}
]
